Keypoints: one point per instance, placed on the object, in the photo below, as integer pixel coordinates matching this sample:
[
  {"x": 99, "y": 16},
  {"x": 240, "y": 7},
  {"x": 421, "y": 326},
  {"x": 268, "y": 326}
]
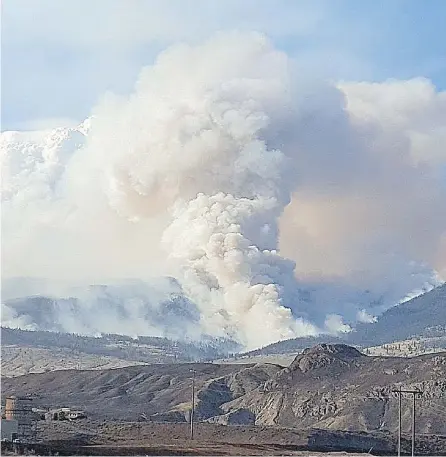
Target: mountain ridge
[{"x": 424, "y": 315}]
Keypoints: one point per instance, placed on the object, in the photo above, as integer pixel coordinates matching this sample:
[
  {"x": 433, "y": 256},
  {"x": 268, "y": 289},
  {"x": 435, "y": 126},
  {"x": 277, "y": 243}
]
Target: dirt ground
[
  {"x": 142, "y": 438},
  {"x": 87, "y": 437}
]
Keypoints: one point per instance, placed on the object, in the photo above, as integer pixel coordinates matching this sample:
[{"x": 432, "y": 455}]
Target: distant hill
[
  {"x": 20, "y": 360},
  {"x": 164, "y": 313},
  {"x": 422, "y": 317},
  {"x": 143, "y": 349}
]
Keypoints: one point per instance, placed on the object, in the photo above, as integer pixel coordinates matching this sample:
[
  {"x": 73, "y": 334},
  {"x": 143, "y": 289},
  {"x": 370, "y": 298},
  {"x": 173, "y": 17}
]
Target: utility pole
[
  {"x": 399, "y": 423},
  {"x": 414, "y": 394},
  {"x": 413, "y": 423},
  {"x": 193, "y": 406}
]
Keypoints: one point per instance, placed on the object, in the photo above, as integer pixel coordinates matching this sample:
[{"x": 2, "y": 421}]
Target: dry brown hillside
[{"x": 328, "y": 386}]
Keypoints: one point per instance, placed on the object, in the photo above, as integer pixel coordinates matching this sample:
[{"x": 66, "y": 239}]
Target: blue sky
[{"x": 59, "y": 57}]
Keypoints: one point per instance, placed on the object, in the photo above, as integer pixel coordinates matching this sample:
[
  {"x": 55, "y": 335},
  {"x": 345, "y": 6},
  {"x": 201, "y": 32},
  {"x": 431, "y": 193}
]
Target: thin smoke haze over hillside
[{"x": 277, "y": 202}]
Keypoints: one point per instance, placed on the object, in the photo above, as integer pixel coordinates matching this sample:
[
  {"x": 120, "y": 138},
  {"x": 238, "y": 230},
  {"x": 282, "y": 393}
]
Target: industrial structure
[
  {"x": 19, "y": 410},
  {"x": 9, "y": 429}
]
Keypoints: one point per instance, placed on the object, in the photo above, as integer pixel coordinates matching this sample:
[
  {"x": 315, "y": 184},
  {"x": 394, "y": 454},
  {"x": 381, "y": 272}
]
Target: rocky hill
[
  {"x": 329, "y": 386},
  {"x": 337, "y": 387}
]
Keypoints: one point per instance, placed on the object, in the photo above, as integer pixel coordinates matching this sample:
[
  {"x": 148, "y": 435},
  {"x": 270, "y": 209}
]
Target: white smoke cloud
[
  {"x": 370, "y": 206},
  {"x": 220, "y": 157},
  {"x": 365, "y": 317},
  {"x": 239, "y": 284},
  {"x": 335, "y": 324},
  {"x": 12, "y": 319},
  {"x": 128, "y": 307}
]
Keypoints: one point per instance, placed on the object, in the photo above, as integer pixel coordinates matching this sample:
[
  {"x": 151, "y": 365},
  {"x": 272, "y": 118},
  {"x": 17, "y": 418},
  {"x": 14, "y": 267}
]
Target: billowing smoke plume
[
  {"x": 220, "y": 157},
  {"x": 206, "y": 152},
  {"x": 239, "y": 284}
]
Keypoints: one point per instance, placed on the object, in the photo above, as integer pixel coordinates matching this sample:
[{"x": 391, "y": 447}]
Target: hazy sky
[{"x": 59, "y": 57}]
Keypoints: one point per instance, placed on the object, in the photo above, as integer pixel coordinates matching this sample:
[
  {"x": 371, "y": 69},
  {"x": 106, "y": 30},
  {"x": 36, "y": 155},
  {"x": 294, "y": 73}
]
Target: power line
[{"x": 414, "y": 394}]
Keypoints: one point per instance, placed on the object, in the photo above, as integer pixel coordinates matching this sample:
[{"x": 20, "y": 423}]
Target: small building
[
  {"x": 73, "y": 415},
  {"x": 10, "y": 429},
  {"x": 61, "y": 414},
  {"x": 39, "y": 413}
]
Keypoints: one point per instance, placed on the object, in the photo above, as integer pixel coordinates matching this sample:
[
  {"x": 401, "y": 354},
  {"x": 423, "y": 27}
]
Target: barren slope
[
  {"x": 17, "y": 361},
  {"x": 328, "y": 386}
]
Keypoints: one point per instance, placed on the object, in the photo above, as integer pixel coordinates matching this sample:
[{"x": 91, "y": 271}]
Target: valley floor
[{"x": 88, "y": 437}]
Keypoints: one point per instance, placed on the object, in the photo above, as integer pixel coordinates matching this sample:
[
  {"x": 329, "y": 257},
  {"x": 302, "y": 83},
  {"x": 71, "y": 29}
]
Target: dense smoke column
[
  {"x": 210, "y": 152},
  {"x": 240, "y": 288}
]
